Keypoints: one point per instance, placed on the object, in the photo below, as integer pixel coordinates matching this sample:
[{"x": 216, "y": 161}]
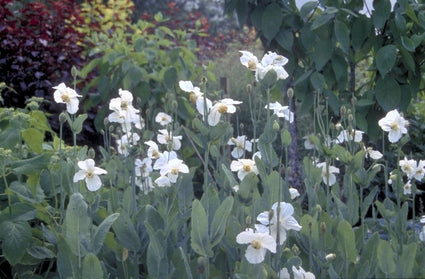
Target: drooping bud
[
  {"x": 276, "y": 126},
  {"x": 74, "y": 72},
  {"x": 249, "y": 89},
  {"x": 62, "y": 117},
  {"x": 290, "y": 93},
  {"x": 91, "y": 153}
]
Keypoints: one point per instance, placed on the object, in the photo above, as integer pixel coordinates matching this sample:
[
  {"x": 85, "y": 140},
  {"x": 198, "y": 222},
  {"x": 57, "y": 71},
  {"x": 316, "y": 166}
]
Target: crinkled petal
[{"x": 94, "y": 183}]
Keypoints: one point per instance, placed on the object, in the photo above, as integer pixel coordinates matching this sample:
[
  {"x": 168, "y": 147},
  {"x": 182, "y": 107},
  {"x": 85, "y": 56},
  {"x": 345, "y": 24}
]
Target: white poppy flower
[
  {"x": 90, "y": 173},
  {"x": 328, "y": 171},
  {"x": 407, "y": 188},
  {"x": 422, "y": 234},
  {"x": 165, "y": 137},
  {"x": 223, "y": 106},
  {"x": 68, "y": 96},
  {"x": 408, "y": 167},
  {"x": 153, "y": 150},
  {"x": 294, "y": 193},
  {"x": 420, "y": 170},
  {"x": 281, "y": 111},
  {"x": 241, "y": 144},
  {"x": 124, "y": 112},
  {"x": 145, "y": 184},
  {"x": 163, "y": 159},
  {"x": 249, "y": 60},
  {"x": 163, "y": 181},
  {"x": 286, "y": 220},
  {"x": 126, "y": 142},
  {"x": 243, "y": 167},
  {"x": 172, "y": 169},
  {"x": 258, "y": 242},
  {"x": 163, "y": 119},
  {"x": 143, "y": 167},
  {"x": 394, "y": 124},
  {"x": 300, "y": 273},
  {"x": 374, "y": 154},
  {"x": 284, "y": 274},
  {"x": 353, "y": 135}
]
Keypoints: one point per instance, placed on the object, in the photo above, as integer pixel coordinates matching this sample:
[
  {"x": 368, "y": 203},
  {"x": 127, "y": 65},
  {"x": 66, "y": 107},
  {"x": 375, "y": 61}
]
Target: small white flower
[
  {"x": 163, "y": 119},
  {"x": 407, "y": 188},
  {"x": 284, "y": 274},
  {"x": 241, "y": 144},
  {"x": 308, "y": 144},
  {"x": 373, "y": 154},
  {"x": 126, "y": 142},
  {"x": 172, "y": 169},
  {"x": 249, "y": 60},
  {"x": 163, "y": 181},
  {"x": 243, "y": 167},
  {"x": 143, "y": 167},
  {"x": 223, "y": 106},
  {"x": 408, "y": 167},
  {"x": 422, "y": 220},
  {"x": 286, "y": 220},
  {"x": 420, "y": 170},
  {"x": 353, "y": 135},
  {"x": 328, "y": 171},
  {"x": 281, "y": 111},
  {"x": 124, "y": 112},
  {"x": 302, "y": 274},
  {"x": 395, "y": 124},
  {"x": 153, "y": 150},
  {"x": 294, "y": 193},
  {"x": 163, "y": 159},
  {"x": 68, "y": 96},
  {"x": 145, "y": 184},
  {"x": 166, "y": 137},
  {"x": 422, "y": 234},
  {"x": 258, "y": 242},
  {"x": 90, "y": 173}
]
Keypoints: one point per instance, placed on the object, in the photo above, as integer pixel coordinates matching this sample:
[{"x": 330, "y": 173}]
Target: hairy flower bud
[
  {"x": 249, "y": 89},
  {"x": 91, "y": 153},
  {"x": 276, "y": 126},
  {"x": 62, "y": 117},
  {"x": 74, "y": 72},
  {"x": 290, "y": 93}
]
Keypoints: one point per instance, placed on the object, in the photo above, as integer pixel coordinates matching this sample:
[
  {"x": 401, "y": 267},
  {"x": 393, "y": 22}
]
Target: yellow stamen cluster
[
  {"x": 65, "y": 97},
  {"x": 89, "y": 174},
  {"x": 174, "y": 171},
  {"x": 256, "y": 244},
  {"x": 222, "y": 109},
  {"x": 246, "y": 168}
]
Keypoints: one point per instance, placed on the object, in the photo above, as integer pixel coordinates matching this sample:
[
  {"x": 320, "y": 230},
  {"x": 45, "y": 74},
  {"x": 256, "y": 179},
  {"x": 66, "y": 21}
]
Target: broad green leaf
[
  {"x": 10, "y": 137},
  {"x": 269, "y": 79},
  {"x": 77, "y": 125},
  {"x": 385, "y": 59},
  {"x": 32, "y": 165},
  {"x": 388, "y": 93},
  {"x": 156, "y": 258},
  {"x": 308, "y": 8},
  {"x": 322, "y": 20},
  {"x": 101, "y": 231},
  {"x": 210, "y": 202},
  {"x": 91, "y": 267},
  {"x": 67, "y": 262},
  {"x": 368, "y": 201},
  {"x": 408, "y": 43},
  {"x": 285, "y": 39},
  {"x": 170, "y": 77},
  {"x": 271, "y": 20},
  {"x": 359, "y": 31},
  {"x": 310, "y": 228},
  {"x": 382, "y": 11},
  {"x": 40, "y": 252},
  {"x": 406, "y": 262},
  {"x": 386, "y": 260},
  {"x": 126, "y": 233},
  {"x": 24, "y": 192},
  {"x": 342, "y": 34},
  {"x": 346, "y": 241},
  {"x": 77, "y": 224},
  {"x": 186, "y": 263},
  {"x": 154, "y": 219},
  {"x": 407, "y": 60},
  {"x": 219, "y": 221},
  {"x": 34, "y": 139},
  {"x": 199, "y": 237},
  {"x": 317, "y": 80},
  {"x": 16, "y": 237},
  {"x": 322, "y": 53}
]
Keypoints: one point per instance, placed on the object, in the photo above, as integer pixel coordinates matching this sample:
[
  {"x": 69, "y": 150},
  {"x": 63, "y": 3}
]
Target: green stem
[{"x": 6, "y": 184}]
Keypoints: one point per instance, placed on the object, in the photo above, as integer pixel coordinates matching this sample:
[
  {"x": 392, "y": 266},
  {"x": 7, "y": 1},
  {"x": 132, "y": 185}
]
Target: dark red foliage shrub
[{"x": 38, "y": 46}]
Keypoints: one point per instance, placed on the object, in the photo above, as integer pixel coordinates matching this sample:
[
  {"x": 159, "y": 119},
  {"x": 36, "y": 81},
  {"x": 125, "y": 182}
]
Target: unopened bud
[
  {"x": 330, "y": 257},
  {"x": 248, "y": 221},
  {"x": 318, "y": 208},
  {"x": 62, "y": 117},
  {"x": 74, "y": 72},
  {"x": 249, "y": 89},
  {"x": 332, "y": 126},
  {"x": 111, "y": 129},
  {"x": 276, "y": 126},
  {"x": 350, "y": 117},
  {"x": 174, "y": 105},
  {"x": 201, "y": 264},
  {"x": 323, "y": 227},
  {"x": 91, "y": 153},
  {"x": 295, "y": 250},
  {"x": 106, "y": 121},
  {"x": 204, "y": 79},
  {"x": 354, "y": 101},
  {"x": 290, "y": 93},
  {"x": 343, "y": 110}
]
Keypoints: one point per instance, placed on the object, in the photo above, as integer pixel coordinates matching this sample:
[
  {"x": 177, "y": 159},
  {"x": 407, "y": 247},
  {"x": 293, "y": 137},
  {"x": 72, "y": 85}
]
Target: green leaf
[
  {"x": 91, "y": 267},
  {"x": 317, "y": 80},
  {"x": 34, "y": 139},
  {"x": 285, "y": 39},
  {"x": 346, "y": 241},
  {"x": 67, "y": 262},
  {"x": 386, "y": 258},
  {"x": 77, "y": 125},
  {"x": 269, "y": 79},
  {"x": 271, "y": 20},
  {"x": 77, "y": 224},
  {"x": 406, "y": 262},
  {"x": 322, "y": 53},
  {"x": 322, "y": 20},
  {"x": 40, "y": 252},
  {"x": 199, "y": 237},
  {"x": 126, "y": 233},
  {"x": 388, "y": 93},
  {"x": 308, "y": 8},
  {"x": 33, "y": 165},
  {"x": 156, "y": 258},
  {"x": 408, "y": 43},
  {"x": 154, "y": 218},
  {"x": 407, "y": 60},
  {"x": 170, "y": 77},
  {"x": 385, "y": 59},
  {"x": 342, "y": 34},
  {"x": 101, "y": 231},
  {"x": 16, "y": 237},
  {"x": 219, "y": 221},
  {"x": 382, "y": 11}
]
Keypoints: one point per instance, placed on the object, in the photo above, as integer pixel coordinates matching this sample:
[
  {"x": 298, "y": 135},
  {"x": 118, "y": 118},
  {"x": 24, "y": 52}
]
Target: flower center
[
  {"x": 222, "y": 109},
  {"x": 124, "y": 105},
  {"x": 256, "y": 244},
  {"x": 246, "y": 168},
  {"x": 252, "y": 65},
  {"x": 192, "y": 97},
  {"x": 164, "y": 118},
  {"x": 65, "y": 97},
  {"x": 89, "y": 174},
  {"x": 174, "y": 171},
  {"x": 155, "y": 154},
  {"x": 394, "y": 126}
]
